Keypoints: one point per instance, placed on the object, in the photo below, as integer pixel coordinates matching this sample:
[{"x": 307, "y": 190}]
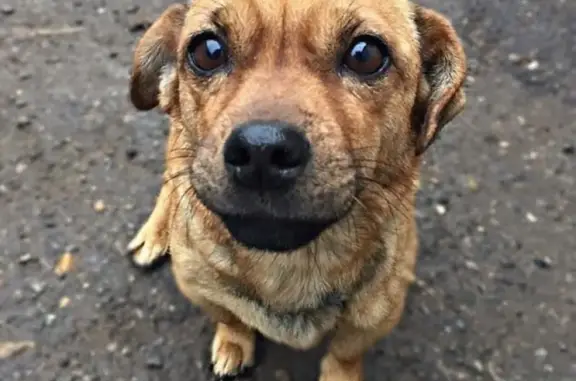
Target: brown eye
[
  {"x": 367, "y": 56},
  {"x": 206, "y": 54}
]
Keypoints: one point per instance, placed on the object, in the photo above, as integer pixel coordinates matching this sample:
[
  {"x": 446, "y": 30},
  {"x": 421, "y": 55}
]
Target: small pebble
[
  {"x": 7, "y": 9},
  {"x": 50, "y": 319},
  {"x": 532, "y": 65},
  {"x": 131, "y": 153},
  {"x": 26, "y": 258},
  {"x": 139, "y": 313},
  {"x": 478, "y": 366},
  {"x": 543, "y": 263},
  {"x": 460, "y": 324},
  {"x": 13, "y": 348},
  {"x": 24, "y": 76},
  {"x": 154, "y": 362},
  {"x": 20, "y": 103},
  {"x": 568, "y": 150},
  {"x": 470, "y": 265},
  {"x": 18, "y": 295},
  {"x": 64, "y": 265},
  {"x": 72, "y": 248},
  {"x": 513, "y": 57},
  {"x": 37, "y": 287},
  {"x": 440, "y": 209},
  {"x": 64, "y": 302},
  {"x": 472, "y": 184},
  {"x": 531, "y": 217},
  {"x": 541, "y": 352},
  {"x": 99, "y": 206},
  {"x": 424, "y": 309},
  {"x": 132, "y": 9},
  {"x": 20, "y": 168},
  {"x": 22, "y": 122},
  {"x": 521, "y": 120},
  {"x": 64, "y": 362}
]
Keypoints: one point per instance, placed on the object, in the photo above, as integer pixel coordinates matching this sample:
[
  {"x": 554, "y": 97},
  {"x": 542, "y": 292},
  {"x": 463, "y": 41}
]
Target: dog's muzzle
[{"x": 264, "y": 160}]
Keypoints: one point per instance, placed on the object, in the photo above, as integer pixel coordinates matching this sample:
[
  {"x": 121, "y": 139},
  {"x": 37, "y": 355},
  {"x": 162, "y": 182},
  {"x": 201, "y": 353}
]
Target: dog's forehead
[{"x": 392, "y": 18}]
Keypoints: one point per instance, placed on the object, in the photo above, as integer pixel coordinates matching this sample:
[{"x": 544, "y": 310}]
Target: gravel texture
[{"x": 79, "y": 170}]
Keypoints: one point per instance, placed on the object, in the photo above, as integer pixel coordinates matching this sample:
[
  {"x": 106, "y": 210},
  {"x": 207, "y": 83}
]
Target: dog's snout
[{"x": 266, "y": 155}]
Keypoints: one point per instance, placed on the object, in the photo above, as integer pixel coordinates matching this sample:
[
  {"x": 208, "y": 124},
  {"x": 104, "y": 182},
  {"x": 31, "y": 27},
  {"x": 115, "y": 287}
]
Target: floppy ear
[
  {"x": 154, "y": 65},
  {"x": 441, "y": 95}
]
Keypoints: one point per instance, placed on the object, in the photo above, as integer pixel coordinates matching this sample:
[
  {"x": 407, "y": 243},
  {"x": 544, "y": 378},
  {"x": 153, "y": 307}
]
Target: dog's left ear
[{"x": 441, "y": 95}]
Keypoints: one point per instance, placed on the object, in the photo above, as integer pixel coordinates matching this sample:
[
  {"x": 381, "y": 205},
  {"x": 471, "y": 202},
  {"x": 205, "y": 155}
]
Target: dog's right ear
[
  {"x": 441, "y": 93},
  {"x": 155, "y": 59}
]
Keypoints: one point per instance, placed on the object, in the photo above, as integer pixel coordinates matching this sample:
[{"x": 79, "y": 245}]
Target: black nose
[{"x": 266, "y": 155}]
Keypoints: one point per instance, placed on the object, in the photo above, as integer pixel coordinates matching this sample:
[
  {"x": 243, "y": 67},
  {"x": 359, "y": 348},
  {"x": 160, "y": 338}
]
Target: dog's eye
[
  {"x": 367, "y": 56},
  {"x": 207, "y": 53}
]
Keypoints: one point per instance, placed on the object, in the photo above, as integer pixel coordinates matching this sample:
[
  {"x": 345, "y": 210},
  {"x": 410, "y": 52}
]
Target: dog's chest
[
  {"x": 296, "y": 308},
  {"x": 301, "y": 327}
]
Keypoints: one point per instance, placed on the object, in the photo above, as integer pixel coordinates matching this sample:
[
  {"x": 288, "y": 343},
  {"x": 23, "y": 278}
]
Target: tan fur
[{"x": 285, "y": 52}]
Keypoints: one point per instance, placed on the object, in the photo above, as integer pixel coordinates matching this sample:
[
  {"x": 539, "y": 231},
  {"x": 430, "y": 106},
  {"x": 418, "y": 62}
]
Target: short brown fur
[{"x": 367, "y": 137}]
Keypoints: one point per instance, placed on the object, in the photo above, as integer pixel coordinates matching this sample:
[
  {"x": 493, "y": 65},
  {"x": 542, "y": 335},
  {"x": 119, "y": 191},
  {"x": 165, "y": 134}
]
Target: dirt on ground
[{"x": 80, "y": 168}]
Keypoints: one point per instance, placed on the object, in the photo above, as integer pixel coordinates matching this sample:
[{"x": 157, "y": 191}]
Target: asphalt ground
[{"x": 80, "y": 168}]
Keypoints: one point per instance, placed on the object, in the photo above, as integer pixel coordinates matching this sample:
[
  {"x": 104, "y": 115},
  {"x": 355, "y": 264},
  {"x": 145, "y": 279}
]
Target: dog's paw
[
  {"x": 149, "y": 245},
  {"x": 232, "y": 350}
]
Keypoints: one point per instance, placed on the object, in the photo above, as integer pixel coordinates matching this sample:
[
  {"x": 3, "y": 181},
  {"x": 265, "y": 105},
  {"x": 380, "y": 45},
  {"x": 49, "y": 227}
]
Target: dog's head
[{"x": 288, "y": 108}]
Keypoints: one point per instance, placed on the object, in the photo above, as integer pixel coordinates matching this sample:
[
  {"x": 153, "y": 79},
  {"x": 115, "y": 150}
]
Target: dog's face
[{"x": 290, "y": 107}]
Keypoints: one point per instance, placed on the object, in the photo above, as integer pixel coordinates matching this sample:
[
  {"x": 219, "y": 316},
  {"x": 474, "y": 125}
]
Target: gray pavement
[{"x": 79, "y": 170}]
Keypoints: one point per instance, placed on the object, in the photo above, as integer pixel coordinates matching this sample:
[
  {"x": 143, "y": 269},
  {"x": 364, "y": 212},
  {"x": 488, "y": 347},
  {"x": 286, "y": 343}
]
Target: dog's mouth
[
  {"x": 272, "y": 224},
  {"x": 273, "y": 235},
  {"x": 267, "y": 231}
]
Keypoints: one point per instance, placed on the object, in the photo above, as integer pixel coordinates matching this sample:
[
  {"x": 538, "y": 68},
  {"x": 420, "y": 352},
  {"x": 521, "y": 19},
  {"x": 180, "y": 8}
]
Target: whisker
[
  {"x": 191, "y": 212},
  {"x": 180, "y": 157},
  {"x": 177, "y": 175}
]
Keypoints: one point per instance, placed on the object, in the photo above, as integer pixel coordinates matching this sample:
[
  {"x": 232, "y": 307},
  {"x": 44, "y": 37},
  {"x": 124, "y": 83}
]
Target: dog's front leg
[
  {"x": 233, "y": 345},
  {"x": 151, "y": 241},
  {"x": 344, "y": 359}
]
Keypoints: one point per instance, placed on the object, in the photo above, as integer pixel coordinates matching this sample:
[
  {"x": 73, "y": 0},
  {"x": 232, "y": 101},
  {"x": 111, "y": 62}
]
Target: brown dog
[{"x": 297, "y": 128}]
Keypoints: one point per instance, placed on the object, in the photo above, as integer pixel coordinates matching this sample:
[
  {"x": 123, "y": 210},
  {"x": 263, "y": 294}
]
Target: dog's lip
[
  {"x": 273, "y": 234},
  {"x": 267, "y": 232},
  {"x": 262, "y": 218}
]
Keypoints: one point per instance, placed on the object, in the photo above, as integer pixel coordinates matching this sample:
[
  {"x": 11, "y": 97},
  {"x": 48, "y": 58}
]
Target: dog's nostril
[
  {"x": 239, "y": 156},
  {"x": 286, "y": 158}
]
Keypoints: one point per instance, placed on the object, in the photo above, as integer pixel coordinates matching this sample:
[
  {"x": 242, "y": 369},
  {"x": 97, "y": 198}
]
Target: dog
[{"x": 297, "y": 131}]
